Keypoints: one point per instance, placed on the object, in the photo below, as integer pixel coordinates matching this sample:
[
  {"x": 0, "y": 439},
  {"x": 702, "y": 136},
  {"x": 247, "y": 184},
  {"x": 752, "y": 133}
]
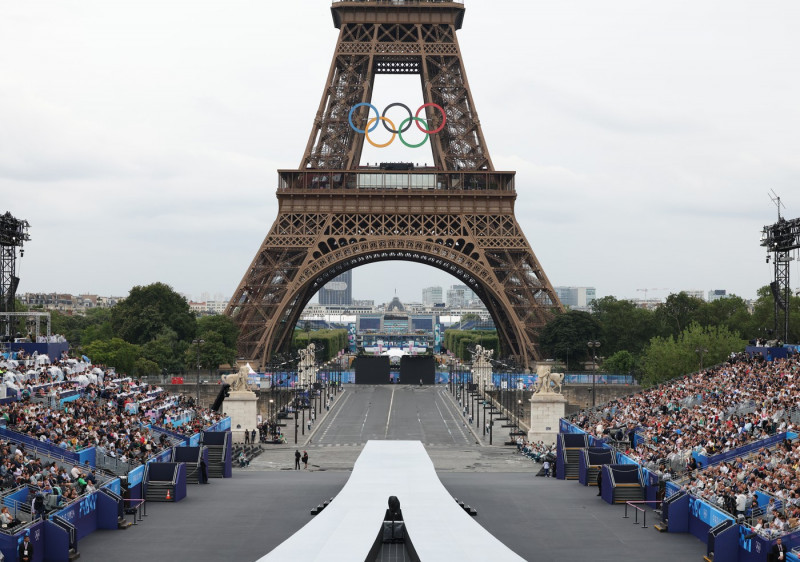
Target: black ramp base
[
  {"x": 372, "y": 370},
  {"x": 416, "y": 369}
]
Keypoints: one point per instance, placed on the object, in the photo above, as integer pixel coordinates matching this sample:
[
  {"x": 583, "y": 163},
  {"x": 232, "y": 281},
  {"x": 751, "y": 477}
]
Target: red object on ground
[{"x": 177, "y": 380}]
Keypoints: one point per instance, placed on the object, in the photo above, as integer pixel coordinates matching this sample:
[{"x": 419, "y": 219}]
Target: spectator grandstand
[{"x": 726, "y": 435}]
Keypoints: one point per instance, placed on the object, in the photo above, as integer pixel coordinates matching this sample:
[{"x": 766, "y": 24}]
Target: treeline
[
  {"x": 672, "y": 340},
  {"x": 150, "y": 332},
  {"x": 460, "y": 342},
  {"x": 328, "y": 343}
]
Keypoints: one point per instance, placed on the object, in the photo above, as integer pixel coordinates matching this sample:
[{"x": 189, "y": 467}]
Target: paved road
[{"x": 420, "y": 413}]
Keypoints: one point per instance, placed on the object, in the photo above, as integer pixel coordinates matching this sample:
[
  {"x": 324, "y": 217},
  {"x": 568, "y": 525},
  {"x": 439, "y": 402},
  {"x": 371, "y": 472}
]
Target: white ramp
[{"x": 436, "y": 525}]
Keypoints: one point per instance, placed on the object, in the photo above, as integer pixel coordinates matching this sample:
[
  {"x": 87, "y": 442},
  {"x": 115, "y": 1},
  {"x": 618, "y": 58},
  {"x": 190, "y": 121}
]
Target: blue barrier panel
[
  {"x": 180, "y": 482},
  {"x": 703, "y": 516},
  {"x": 56, "y": 543},
  {"x": 676, "y": 513},
  {"x": 114, "y": 485},
  {"x": 561, "y": 460},
  {"x": 108, "y": 510},
  {"x": 135, "y": 477},
  {"x": 743, "y": 450},
  {"x": 752, "y": 547},
  {"x": 194, "y": 440},
  {"x": 82, "y": 514},
  {"x": 10, "y": 543},
  {"x": 726, "y": 544},
  {"x": 19, "y": 496},
  {"x": 87, "y": 455},
  {"x": 606, "y": 489}
]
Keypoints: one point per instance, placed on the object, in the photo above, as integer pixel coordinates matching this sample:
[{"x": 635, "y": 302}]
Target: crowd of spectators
[
  {"x": 51, "y": 486},
  {"x": 715, "y": 411},
  {"x": 711, "y": 412}
]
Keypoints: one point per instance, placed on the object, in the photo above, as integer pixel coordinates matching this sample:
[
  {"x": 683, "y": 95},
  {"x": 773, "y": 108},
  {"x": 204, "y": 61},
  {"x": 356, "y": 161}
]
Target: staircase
[
  {"x": 572, "y": 468},
  {"x": 591, "y": 474},
  {"x": 216, "y": 459},
  {"x": 157, "y": 492},
  {"x": 628, "y": 493}
]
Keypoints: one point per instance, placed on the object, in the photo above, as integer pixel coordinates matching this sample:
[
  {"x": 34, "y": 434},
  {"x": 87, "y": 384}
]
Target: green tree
[
  {"x": 148, "y": 310},
  {"x": 167, "y": 351},
  {"x": 730, "y": 312},
  {"x": 621, "y": 363},
  {"x": 670, "y": 357},
  {"x": 116, "y": 353},
  {"x": 222, "y": 325},
  {"x": 677, "y": 313},
  {"x": 566, "y": 335},
  {"x": 625, "y": 327}
]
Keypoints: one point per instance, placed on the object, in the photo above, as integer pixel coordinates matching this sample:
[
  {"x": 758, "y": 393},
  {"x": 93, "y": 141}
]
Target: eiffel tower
[{"x": 335, "y": 215}]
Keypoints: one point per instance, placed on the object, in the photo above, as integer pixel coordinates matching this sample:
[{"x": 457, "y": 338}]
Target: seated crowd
[
  {"x": 55, "y": 486},
  {"x": 711, "y": 412},
  {"x": 111, "y": 414}
]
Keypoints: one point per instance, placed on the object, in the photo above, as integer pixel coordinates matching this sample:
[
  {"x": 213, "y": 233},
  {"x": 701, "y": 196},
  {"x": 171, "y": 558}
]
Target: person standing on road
[
  {"x": 546, "y": 467},
  {"x": 253, "y": 437},
  {"x": 297, "y": 460},
  {"x": 305, "y": 460},
  {"x": 246, "y": 437}
]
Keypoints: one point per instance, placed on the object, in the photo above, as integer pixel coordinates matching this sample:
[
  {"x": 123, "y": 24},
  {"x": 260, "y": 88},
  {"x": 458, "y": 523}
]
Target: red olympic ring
[{"x": 444, "y": 118}]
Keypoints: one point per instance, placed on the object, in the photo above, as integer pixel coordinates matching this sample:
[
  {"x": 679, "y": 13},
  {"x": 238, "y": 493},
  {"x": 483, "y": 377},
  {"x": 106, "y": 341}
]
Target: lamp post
[
  {"x": 701, "y": 351},
  {"x": 198, "y": 343},
  {"x": 593, "y": 345},
  {"x": 274, "y": 423}
]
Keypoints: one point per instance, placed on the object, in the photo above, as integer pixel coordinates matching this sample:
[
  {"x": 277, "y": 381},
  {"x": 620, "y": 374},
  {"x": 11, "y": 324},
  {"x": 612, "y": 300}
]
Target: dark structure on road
[{"x": 335, "y": 215}]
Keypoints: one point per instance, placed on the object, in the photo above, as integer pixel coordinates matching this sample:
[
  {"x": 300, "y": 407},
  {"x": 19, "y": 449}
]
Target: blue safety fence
[{"x": 75, "y": 457}]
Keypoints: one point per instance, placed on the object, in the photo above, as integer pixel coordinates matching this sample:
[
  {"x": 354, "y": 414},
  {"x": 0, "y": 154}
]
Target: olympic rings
[
  {"x": 369, "y": 140},
  {"x": 405, "y": 125},
  {"x": 444, "y": 117},
  {"x": 400, "y": 132},
  {"x": 404, "y": 106}
]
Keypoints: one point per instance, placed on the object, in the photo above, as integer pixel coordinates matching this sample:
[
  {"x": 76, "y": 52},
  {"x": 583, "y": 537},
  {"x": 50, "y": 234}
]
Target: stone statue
[
  {"x": 481, "y": 365},
  {"x": 306, "y": 367},
  {"x": 238, "y": 381},
  {"x": 545, "y": 378}
]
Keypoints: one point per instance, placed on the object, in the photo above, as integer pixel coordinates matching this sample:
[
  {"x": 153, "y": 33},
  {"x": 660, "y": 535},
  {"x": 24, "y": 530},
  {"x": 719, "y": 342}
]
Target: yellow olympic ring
[{"x": 369, "y": 140}]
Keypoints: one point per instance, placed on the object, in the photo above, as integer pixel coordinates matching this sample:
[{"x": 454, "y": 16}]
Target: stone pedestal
[
  {"x": 242, "y": 407},
  {"x": 546, "y": 410}
]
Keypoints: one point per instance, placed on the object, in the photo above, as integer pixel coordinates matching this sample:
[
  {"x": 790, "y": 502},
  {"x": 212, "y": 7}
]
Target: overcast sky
[{"x": 141, "y": 139}]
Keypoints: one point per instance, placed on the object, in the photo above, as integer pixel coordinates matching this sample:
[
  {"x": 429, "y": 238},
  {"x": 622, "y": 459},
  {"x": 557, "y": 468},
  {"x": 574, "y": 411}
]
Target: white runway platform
[{"x": 438, "y": 527}]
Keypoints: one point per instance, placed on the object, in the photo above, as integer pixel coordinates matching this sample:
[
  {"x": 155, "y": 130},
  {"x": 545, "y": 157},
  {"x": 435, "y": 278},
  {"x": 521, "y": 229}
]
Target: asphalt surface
[
  {"x": 425, "y": 414},
  {"x": 245, "y": 517}
]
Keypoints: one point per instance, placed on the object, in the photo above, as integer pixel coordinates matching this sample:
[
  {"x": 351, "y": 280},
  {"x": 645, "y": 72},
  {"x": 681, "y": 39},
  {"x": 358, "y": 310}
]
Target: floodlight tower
[
  {"x": 781, "y": 239},
  {"x": 13, "y": 234}
]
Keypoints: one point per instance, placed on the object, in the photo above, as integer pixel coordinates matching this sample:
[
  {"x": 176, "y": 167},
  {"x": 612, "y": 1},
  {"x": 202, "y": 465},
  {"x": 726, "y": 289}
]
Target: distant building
[
  {"x": 338, "y": 291},
  {"x": 208, "y": 308},
  {"x": 716, "y": 294},
  {"x": 696, "y": 294},
  {"x": 363, "y": 303},
  {"x": 459, "y": 296},
  {"x": 65, "y": 302},
  {"x": 432, "y": 295},
  {"x": 576, "y": 297}
]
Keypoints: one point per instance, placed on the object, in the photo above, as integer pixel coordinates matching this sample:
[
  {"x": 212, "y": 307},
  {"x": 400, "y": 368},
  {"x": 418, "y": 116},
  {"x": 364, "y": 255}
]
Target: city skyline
[{"x": 644, "y": 151}]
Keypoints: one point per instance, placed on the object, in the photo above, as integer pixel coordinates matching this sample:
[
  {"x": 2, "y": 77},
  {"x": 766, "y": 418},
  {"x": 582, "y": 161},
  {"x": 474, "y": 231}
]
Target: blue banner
[
  {"x": 706, "y": 513},
  {"x": 82, "y": 514}
]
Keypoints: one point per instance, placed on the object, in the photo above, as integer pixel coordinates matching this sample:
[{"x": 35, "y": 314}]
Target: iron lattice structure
[
  {"x": 13, "y": 234},
  {"x": 781, "y": 239},
  {"x": 335, "y": 215}
]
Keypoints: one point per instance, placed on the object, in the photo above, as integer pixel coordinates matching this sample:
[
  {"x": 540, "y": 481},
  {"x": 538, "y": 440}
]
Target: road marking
[
  {"x": 338, "y": 404},
  {"x": 389, "y": 417}
]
